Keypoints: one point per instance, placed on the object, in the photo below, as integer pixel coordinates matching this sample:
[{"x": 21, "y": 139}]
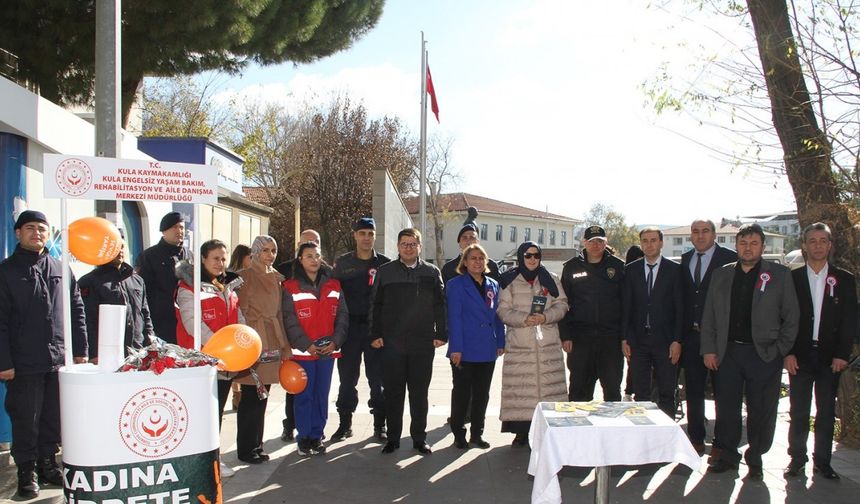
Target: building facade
[{"x": 676, "y": 240}]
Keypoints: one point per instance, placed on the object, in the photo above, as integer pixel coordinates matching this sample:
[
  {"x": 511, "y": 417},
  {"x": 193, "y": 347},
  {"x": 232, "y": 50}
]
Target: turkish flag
[{"x": 434, "y": 106}]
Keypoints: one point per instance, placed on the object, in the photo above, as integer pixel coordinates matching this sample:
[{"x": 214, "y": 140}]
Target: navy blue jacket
[
  {"x": 694, "y": 300},
  {"x": 474, "y": 328},
  {"x": 157, "y": 266},
  {"x": 31, "y": 314},
  {"x": 665, "y": 305},
  {"x": 356, "y": 279},
  {"x": 117, "y": 286}
]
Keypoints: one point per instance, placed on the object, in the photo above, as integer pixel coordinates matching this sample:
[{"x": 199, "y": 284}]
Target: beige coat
[
  {"x": 260, "y": 302},
  {"x": 533, "y": 370}
]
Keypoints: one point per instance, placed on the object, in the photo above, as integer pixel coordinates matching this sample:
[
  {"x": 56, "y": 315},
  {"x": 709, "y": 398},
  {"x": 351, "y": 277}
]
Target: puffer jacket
[
  {"x": 212, "y": 300},
  {"x": 533, "y": 369}
]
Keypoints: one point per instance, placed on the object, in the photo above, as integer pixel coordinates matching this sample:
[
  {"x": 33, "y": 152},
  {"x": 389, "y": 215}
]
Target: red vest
[
  {"x": 316, "y": 316},
  {"x": 214, "y": 312}
]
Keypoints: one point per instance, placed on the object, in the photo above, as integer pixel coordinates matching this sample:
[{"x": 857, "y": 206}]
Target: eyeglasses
[
  {"x": 408, "y": 246},
  {"x": 529, "y": 255}
]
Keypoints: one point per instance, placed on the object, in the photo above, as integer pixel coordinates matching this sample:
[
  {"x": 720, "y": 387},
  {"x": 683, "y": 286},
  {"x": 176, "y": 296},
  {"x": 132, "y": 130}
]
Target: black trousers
[
  {"x": 289, "y": 415},
  {"x": 696, "y": 378},
  {"x": 471, "y": 388},
  {"x": 349, "y": 370},
  {"x": 250, "y": 421},
  {"x": 647, "y": 358},
  {"x": 402, "y": 372},
  {"x": 743, "y": 371},
  {"x": 33, "y": 404},
  {"x": 592, "y": 360},
  {"x": 223, "y": 391},
  {"x": 818, "y": 375}
]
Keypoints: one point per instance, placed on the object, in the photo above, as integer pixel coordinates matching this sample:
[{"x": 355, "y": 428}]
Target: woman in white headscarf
[{"x": 260, "y": 301}]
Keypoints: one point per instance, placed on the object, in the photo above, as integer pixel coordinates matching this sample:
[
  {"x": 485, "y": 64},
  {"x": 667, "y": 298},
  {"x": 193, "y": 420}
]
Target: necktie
[
  {"x": 697, "y": 273},
  {"x": 650, "y": 279}
]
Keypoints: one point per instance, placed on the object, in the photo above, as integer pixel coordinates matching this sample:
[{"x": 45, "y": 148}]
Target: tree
[
  {"x": 54, "y": 40},
  {"x": 441, "y": 175},
  {"x": 797, "y": 46},
  {"x": 620, "y": 235},
  {"x": 183, "y": 107}
]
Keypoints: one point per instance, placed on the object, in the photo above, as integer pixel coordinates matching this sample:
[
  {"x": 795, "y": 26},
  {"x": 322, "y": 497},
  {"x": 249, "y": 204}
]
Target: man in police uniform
[
  {"x": 591, "y": 329},
  {"x": 356, "y": 271},
  {"x": 32, "y": 350},
  {"x": 157, "y": 266}
]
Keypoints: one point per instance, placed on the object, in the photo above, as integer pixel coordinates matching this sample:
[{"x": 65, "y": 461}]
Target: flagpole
[{"x": 422, "y": 184}]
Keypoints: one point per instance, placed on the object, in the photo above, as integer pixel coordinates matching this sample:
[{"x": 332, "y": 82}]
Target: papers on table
[{"x": 578, "y": 412}]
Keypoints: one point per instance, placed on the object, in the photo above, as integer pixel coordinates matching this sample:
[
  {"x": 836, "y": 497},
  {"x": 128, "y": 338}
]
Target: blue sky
[{"x": 542, "y": 99}]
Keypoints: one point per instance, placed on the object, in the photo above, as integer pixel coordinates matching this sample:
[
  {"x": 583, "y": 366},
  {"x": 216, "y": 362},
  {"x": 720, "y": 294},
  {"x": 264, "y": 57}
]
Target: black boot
[
  {"x": 344, "y": 430},
  {"x": 49, "y": 471},
  {"x": 28, "y": 484},
  {"x": 288, "y": 435},
  {"x": 460, "y": 438},
  {"x": 379, "y": 427}
]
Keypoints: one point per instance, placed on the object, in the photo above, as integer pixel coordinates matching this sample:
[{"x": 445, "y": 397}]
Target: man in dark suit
[
  {"x": 828, "y": 320},
  {"x": 696, "y": 267},
  {"x": 652, "y": 320},
  {"x": 749, "y": 324}
]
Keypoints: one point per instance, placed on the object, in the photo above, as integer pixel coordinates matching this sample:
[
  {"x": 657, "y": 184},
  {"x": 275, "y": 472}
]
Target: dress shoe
[
  {"x": 794, "y": 469},
  {"x": 253, "y": 458},
  {"x": 423, "y": 448},
  {"x": 825, "y": 470},
  {"x": 721, "y": 466},
  {"x": 28, "y": 484},
  {"x": 460, "y": 443},
  {"x": 390, "y": 447},
  {"x": 755, "y": 473},
  {"x": 715, "y": 454},
  {"x": 699, "y": 447},
  {"x": 49, "y": 471},
  {"x": 520, "y": 440},
  {"x": 479, "y": 442}
]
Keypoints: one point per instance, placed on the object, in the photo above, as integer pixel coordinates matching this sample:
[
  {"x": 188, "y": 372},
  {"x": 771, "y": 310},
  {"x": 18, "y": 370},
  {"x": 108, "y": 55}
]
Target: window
[
  {"x": 731, "y": 239},
  {"x": 498, "y": 232},
  {"x": 513, "y": 234},
  {"x": 552, "y": 236},
  {"x": 721, "y": 239},
  {"x": 483, "y": 232},
  {"x": 564, "y": 238},
  {"x": 677, "y": 241},
  {"x": 527, "y": 234},
  {"x": 540, "y": 236}
]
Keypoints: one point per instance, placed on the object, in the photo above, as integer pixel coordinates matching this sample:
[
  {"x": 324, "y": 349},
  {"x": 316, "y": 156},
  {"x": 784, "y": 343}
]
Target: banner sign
[{"x": 100, "y": 178}]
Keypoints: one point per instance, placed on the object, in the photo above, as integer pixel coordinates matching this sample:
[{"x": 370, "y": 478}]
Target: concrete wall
[{"x": 388, "y": 212}]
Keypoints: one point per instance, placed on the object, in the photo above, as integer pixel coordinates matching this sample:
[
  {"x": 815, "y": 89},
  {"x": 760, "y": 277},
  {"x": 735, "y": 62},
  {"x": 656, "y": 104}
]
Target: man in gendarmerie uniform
[
  {"x": 157, "y": 265},
  {"x": 591, "y": 329},
  {"x": 356, "y": 271},
  {"x": 116, "y": 283},
  {"x": 468, "y": 235},
  {"x": 32, "y": 350}
]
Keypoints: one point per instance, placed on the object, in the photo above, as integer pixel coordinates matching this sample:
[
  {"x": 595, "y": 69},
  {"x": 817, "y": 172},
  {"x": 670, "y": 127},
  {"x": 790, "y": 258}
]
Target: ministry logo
[
  {"x": 74, "y": 177},
  {"x": 153, "y": 422}
]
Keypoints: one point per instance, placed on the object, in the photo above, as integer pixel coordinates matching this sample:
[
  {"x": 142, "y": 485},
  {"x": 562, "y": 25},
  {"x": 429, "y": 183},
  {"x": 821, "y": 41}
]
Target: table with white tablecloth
[{"x": 607, "y": 441}]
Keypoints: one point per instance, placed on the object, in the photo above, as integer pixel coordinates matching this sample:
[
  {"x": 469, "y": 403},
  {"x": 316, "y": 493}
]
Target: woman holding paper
[
  {"x": 316, "y": 321},
  {"x": 532, "y": 303},
  {"x": 260, "y": 301},
  {"x": 476, "y": 337}
]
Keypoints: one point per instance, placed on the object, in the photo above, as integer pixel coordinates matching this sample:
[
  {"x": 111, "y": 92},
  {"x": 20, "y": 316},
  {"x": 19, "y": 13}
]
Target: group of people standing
[{"x": 719, "y": 313}]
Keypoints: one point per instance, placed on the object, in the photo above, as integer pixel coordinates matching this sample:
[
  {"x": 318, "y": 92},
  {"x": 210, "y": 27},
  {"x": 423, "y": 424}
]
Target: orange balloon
[
  {"x": 94, "y": 240},
  {"x": 237, "y": 345},
  {"x": 293, "y": 377}
]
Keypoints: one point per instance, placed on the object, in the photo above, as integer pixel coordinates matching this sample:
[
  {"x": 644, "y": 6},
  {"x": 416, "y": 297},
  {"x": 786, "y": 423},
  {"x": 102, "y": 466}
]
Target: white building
[
  {"x": 501, "y": 226},
  {"x": 784, "y": 223},
  {"x": 676, "y": 240}
]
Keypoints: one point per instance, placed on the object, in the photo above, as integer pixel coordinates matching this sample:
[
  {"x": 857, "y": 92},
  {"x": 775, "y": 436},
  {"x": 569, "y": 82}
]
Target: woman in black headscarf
[{"x": 531, "y": 304}]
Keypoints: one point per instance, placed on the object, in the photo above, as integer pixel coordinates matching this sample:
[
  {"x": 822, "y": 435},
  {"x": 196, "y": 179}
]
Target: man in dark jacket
[
  {"x": 697, "y": 265},
  {"x": 356, "y": 270},
  {"x": 157, "y": 267},
  {"x": 468, "y": 235},
  {"x": 32, "y": 349},
  {"x": 408, "y": 322},
  {"x": 591, "y": 329},
  {"x": 116, "y": 283},
  {"x": 828, "y": 319}
]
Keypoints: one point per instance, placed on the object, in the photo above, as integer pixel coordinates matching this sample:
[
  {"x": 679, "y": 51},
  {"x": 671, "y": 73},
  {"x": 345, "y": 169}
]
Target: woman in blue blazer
[{"x": 476, "y": 337}]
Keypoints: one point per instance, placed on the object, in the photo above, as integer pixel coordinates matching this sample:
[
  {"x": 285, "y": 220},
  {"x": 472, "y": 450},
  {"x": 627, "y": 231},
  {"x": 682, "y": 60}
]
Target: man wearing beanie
[
  {"x": 468, "y": 235},
  {"x": 356, "y": 271},
  {"x": 32, "y": 350},
  {"x": 156, "y": 265}
]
